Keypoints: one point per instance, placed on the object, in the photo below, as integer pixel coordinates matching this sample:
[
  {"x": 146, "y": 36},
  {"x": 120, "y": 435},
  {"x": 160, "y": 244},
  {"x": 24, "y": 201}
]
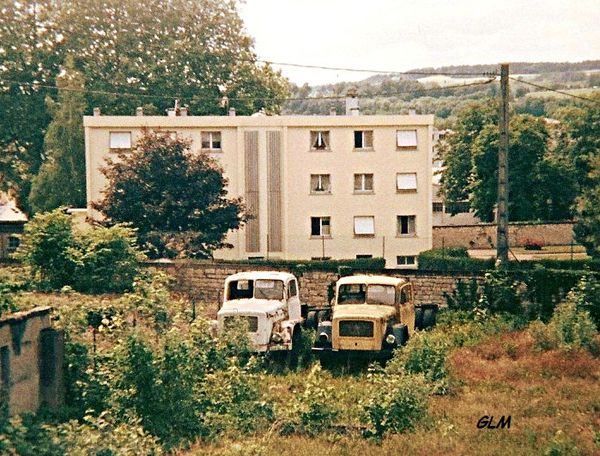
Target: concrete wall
[
  {"x": 484, "y": 235},
  {"x": 30, "y": 361},
  {"x": 204, "y": 282}
]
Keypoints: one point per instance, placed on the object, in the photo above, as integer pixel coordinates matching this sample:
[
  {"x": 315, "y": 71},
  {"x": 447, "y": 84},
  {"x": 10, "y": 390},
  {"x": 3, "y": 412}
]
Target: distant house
[{"x": 12, "y": 221}]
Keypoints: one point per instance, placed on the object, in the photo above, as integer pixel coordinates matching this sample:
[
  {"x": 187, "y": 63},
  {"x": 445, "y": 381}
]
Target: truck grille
[
  {"x": 231, "y": 322},
  {"x": 356, "y": 328}
]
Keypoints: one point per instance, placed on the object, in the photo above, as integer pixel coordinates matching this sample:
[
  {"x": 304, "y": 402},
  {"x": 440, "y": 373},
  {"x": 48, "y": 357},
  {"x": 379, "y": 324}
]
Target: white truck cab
[{"x": 270, "y": 303}]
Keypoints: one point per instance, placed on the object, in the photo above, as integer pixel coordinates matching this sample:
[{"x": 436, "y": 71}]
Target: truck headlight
[
  {"x": 323, "y": 337},
  {"x": 276, "y": 338},
  {"x": 390, "y": 339}
]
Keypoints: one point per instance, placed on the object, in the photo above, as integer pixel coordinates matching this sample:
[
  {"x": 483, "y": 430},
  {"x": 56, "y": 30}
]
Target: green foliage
[
  {"x": 586, "y": 296},
  {"x": 426, "y": 354},
  {"x": 49, "y": 248},
  {"x": 569, "y": 328},
  {"x": 313, "y": 409},
  {"x": 502, "y": 293},
  {"x": 97, "y": 261},
  {"x": 587, "y": 228},
  {"x": 452, "y": 260},
  {"x": 301, "y": 266},
  {"x": 396, "y": 403},
  {"x": 64, "y": 148},
  {"x": 26, "y": 435},
  {"x": 106, "y": 436},
  {"x": 465, "y": 296},
  {"x": 177, "y": 200}
]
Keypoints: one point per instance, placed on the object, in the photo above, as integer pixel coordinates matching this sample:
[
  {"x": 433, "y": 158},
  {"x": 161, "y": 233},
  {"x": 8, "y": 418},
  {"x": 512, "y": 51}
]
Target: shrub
[
  {"x": 98, "y": 261},
  {"x": 426, "y": 354},
  {"x": 396, "y": 403},
  {"x": 49, "y": 247},
  {"x": 532, "y": 244},
  {"x": 502, "y": 293},
  {"x": 586, "y": 296},
  {"x": 465, "y": 296},
  {"x": 312, "y": 410},
  {"x": 453, "y": 259},
  {"x": 569, "y": 328},
  {"x": 108, "y": 261}
]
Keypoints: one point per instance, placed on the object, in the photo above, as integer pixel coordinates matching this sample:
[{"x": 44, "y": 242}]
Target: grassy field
[
  {"x": 553, "y": 399},
  {"x": 549, "y": 94}
]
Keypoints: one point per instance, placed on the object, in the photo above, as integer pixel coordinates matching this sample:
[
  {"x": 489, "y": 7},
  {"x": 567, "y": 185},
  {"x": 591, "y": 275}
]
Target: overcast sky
[{"x": 404, "y": 34}]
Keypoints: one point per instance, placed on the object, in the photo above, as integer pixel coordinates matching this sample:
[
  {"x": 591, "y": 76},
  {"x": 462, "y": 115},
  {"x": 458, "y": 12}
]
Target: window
[
  {"x": 437, "y": 206},
  {"x": 406, "y": 225},
  {"x": 211, "y": 140},
  {"x": 363, "y": 139},
  {"x": 13, "y": 243},
  {"x": 406, "y": 182},
  {"x": 363, "y": 183},
  {"x": 406, "y": 139},
  {"x": 403, "y": 260},
  {"x": 320, "y": 183},
  {"x": 293, "y": 289},
  {"x": 120, "y": 140},
  {"x": 320, "y": 226},
  {"x": 364, "y": 226},
  {"x": 319, "y": 140}
]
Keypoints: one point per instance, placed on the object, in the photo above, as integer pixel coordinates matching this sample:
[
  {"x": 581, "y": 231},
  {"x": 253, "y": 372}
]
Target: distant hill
[{"x": 396, "y": 93}]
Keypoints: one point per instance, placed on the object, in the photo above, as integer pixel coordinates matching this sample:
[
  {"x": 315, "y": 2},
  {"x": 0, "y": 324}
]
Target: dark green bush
[
  {"x": 586, "y": 295},
  {"x": 396, "y": 403},
  {"x": 452, "y": 259},
  {"x": 299, "y": 266}
]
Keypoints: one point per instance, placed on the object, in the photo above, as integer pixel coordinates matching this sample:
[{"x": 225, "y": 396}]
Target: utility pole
[{"x": 502, "y": 212}]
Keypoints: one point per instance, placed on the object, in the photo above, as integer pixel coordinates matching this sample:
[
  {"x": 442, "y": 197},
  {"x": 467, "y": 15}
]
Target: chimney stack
[
  {"x": 232, "y": 112},
  {"x": 332, "y": 111},
  {"x": 412, "y": 112},
  {"x": 183, "y": 111},
  {"x": 352, "y": 108},
  {"x": 96, "y": 112},
  {"x": 139, "y": 111}
]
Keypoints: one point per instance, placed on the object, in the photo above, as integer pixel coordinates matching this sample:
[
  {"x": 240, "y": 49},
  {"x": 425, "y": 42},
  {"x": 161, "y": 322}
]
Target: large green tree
[
  {"x": 129, "y": 55},
  {"x": 61, "y": 178},
  {"x": 175, "y": 198}
]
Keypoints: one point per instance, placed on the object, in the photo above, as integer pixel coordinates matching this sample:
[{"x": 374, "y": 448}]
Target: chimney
[
  {"x": 332, "y": 111},
  {"x": 96, "y": 112},
  {"x": 232, "y": 112},
  {"x": 183, "y": 111},
  {"x": 412, "y": 112},
  {"x": 139, "y": 111},
  {"x": 352, "y": 102},
  {"x": 171, "y": 112}
]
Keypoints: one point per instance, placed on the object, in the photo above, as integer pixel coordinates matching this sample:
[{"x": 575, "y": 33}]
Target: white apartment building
[{"x": 333, "y": 186}]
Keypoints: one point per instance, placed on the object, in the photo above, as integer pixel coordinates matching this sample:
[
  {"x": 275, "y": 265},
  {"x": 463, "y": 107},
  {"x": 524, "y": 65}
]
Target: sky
[{"x": 398, "y": 35}]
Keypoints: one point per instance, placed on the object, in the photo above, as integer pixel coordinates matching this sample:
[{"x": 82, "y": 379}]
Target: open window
[
  {"x": 319, "y": 140},
  {"x": 320, "y": 183},
  {"x": 363, "y": 139}
]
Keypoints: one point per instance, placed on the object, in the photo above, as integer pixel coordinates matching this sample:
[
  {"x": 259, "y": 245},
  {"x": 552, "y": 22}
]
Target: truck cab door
[
  {"x": 407, "y": 308},
  {"x": 293, "y": 300}
]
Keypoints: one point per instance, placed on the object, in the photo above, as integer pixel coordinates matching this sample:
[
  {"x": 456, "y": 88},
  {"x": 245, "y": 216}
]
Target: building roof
[
  {"x": 265, "y": 275},
  {"x": 371, "y": 280},
  {"x": 254, "y": 121},
  {"x": 9, "y": 212}
]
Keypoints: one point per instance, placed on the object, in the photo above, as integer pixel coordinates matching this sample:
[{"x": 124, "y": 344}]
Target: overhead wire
[
  {"x": 539, "y": 86},
  {"x": 280, "y": 99}
]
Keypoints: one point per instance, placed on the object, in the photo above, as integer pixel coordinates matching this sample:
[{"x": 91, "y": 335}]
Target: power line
[
  {"x": 363, "y": 70},
  {"x": 539, "y": 86},
  {"x": 280, "y": 99}
]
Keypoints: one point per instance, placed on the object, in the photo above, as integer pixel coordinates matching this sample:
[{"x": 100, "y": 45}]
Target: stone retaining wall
[
  {"x": 483, "y": 236},
  {"x": 204, "y": 282}
]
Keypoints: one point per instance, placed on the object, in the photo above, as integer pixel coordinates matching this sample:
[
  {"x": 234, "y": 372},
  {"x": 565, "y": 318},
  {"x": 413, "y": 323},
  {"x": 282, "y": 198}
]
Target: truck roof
[
  {"x": 254, "y": 275},
  {"x": 371, "y": 280}
]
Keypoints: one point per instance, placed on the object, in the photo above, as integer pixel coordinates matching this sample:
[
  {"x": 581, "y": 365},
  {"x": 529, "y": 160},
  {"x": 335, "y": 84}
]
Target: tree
[
  {"x": 129, "y": 56},
  {"x": 177, "y": 200},
  {"x": 63, "y": 149}
]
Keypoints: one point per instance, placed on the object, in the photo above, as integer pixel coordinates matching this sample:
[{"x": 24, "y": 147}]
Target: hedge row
[
  {"x": 360, "y": 264},
  {"x": 458, "y": 260}
]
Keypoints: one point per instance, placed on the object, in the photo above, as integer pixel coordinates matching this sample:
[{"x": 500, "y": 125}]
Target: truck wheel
[
  {"x": 428, "y": 318},
  {"x": 404, "y": 336},
  {"x": 293, "y": 354},
  {"x": 311, "y": 320}
]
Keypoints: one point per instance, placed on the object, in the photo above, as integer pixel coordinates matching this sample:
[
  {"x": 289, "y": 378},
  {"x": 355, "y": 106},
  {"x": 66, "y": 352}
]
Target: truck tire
[
  {"x": 291, "y": 360},
  {"x": 312, "y": 320},
  {"x": 403, "y": 336},
  {"x": 429, "y": 315}
]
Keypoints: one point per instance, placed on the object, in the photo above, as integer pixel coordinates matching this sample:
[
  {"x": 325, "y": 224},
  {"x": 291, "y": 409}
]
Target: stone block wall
[
  {"x": 204, "y": 282},
  {"x": 483, "y": 236}
]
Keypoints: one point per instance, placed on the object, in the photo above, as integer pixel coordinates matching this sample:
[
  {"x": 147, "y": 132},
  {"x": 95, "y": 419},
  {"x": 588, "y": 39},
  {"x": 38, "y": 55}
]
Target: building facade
[{"x": 318, "y": 186}]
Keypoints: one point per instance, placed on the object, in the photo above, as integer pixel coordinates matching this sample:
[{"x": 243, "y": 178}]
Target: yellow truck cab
[{"x": 370, "y": 316}]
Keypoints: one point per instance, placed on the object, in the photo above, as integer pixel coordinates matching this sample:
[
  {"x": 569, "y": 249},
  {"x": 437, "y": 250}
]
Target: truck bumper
[{"x": 330, "y": 353}]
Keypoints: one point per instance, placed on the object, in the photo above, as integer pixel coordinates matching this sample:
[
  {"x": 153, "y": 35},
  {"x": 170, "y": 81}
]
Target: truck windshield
[
  {"x": 259, "y": 289},
  {"x": 360, "y": 294}
]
